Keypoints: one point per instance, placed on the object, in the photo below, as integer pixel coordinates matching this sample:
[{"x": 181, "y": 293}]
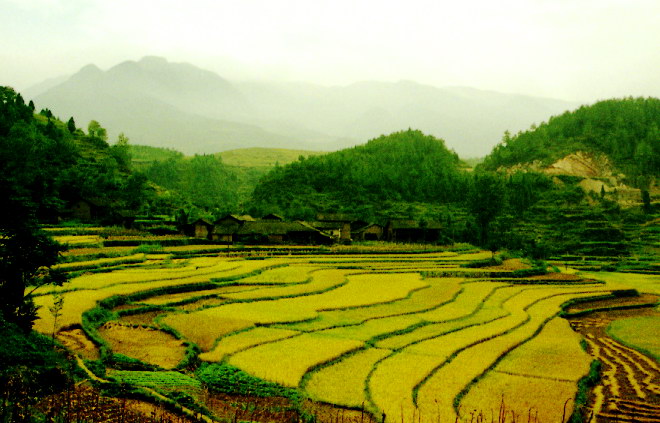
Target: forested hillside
[
  {"x": 49, "y": 164},
  {"x": 404, "y": 166},
  {"x": 626, "y": 130}
]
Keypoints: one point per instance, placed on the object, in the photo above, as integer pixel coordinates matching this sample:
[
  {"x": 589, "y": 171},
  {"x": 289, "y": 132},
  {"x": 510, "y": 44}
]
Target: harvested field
[
  {"x": 145, "y": 344},
  {"x": 632, "y": 301},
  {"x": 629, "y": 388},
  {"x": 76, "y": 341}
]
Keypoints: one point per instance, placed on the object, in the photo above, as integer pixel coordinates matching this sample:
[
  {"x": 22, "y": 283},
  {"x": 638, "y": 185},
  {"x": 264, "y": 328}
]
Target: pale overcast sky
[{"x": 580, "y": 50}]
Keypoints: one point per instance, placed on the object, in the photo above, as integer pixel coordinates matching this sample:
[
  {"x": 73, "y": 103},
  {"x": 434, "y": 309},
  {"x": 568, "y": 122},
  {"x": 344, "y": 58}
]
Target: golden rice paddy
[{"x": 350, "y": 329}]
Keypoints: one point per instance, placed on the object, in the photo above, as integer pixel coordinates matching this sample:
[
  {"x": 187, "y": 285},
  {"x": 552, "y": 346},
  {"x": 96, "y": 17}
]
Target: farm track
[{"x": 629, "y": 389}]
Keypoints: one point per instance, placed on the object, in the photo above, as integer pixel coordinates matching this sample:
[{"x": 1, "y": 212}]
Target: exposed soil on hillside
[{"x": 629, "y": 388}]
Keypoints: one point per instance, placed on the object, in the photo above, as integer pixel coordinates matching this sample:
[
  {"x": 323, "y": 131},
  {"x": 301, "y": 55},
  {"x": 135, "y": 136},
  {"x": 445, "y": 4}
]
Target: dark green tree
[
  {"x": 27, "y": 255},
  {"x": 71, "y": 125},
  {"x": 646, "y": 202},
  {"x": 485, "y": 201},
  {"x": 121, "y": 152},
  {"x": 95, "y": 130}
]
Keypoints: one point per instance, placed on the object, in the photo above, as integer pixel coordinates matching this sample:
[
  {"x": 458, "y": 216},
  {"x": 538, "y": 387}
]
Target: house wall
[
  {"x": 373, "y": 233},
  {"x": 345, "y": 232},
  {"x": 276, "y": 239},
  {"x": 223, "y": 238},
  {"x": 201, "y": 231}
]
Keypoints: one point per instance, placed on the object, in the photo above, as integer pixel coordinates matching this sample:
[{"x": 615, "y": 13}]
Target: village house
[
  {"x": 201, "y": 228},
  {"x": 412, "y": 231},
  {"x": 372, "y": 232},
  {"x": 225, "y": 228},
  {"x": 277, "y": 232},
  {"x": 338, "y": 224},
  {"x": 86, "y": 210}
]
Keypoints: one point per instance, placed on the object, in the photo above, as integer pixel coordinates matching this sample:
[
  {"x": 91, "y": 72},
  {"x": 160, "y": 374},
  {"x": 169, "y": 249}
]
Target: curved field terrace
[{"x": 395, "y": 335}]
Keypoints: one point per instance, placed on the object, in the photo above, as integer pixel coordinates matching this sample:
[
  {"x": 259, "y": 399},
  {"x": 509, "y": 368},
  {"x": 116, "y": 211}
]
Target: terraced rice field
[
  {"x": 629, "y": 389},
  {"x": 362, "y": 330}
]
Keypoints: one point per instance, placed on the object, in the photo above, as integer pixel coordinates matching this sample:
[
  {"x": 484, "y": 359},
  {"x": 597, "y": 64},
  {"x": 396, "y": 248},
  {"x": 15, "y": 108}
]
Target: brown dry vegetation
[
  {"x": 615, "y": 302},
  {"x": 76, "y": 341},
  {"x": 82, "y": 403},
  {"x": 629, "y": 389}
]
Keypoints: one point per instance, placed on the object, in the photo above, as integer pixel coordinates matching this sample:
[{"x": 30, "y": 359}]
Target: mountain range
[{"x": 178, "y": 105}]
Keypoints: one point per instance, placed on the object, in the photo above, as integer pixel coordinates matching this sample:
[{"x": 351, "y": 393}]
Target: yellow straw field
[
  {"x": 286, "y": 361},
  {"x": 379, "y": 329}
]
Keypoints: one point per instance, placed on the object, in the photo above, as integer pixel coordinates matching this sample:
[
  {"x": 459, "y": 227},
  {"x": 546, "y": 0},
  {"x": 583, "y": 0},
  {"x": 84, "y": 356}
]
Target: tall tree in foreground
[
  {"x": 26, "y": 252},
  {"x": 27, "y": 255}
]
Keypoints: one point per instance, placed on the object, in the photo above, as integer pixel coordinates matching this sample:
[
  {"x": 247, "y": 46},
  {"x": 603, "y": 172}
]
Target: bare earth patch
[
  {"x": 554, "y": 276},
  {"x": 146, "y": 344},
  {"x": 144, "y": 319},
  {"x": 615, "y": 302},
  {"x": 76, "y": 341}
]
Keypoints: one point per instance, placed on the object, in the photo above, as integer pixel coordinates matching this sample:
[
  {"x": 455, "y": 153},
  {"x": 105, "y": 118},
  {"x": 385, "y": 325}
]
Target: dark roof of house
[
  {"x": 272, "y": 216},
  {"x": 265, "y": 227},
  {"x": 226, "y": 228},
  {"x": 414, "y": 224},
  {"x": 325, "y": 225},
  {"x": 228, "y": 218},
  {"x": 202, "y": 222},
  {"x": 371, "y": 225},
  {"x": 235, "y": 218},
  {"x": 335, "y": 217}
]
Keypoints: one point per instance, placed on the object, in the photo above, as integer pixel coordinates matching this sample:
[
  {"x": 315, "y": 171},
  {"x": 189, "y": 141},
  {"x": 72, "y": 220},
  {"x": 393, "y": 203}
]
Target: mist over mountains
[{"x": 178, "y": 105}]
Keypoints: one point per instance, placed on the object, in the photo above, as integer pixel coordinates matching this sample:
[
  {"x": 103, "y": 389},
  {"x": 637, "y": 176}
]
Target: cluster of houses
[
  {"x": 273, "y": 229},
  {"x": 327, "y": 229}
]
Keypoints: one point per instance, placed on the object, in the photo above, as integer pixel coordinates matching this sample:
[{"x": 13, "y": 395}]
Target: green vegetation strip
[{"x": 582, "y": 396}]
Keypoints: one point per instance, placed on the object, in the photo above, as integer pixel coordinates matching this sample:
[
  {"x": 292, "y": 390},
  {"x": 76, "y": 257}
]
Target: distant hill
[
  {"x": 471, "y": 121},
  {"x": 263, "y": 157},
  {"x": 406, "y": 166},
  {"x": 144, "y": 155},
  {"x": 625, "y": 132},
  {"x": 180, "y": 106},
  {"x": 159, "y": 103}
]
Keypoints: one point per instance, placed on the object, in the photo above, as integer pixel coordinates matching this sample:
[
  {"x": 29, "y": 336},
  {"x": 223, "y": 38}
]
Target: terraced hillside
[{"x": 403, "y": 333}]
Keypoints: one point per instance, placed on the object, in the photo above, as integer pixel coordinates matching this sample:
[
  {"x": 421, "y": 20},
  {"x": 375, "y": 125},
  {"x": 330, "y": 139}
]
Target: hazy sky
[{"x": 572, "y": 49}]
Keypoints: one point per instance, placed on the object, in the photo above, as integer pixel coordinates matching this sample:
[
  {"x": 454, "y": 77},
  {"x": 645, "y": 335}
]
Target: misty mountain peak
[
  {"x": 89, "y": 70},
  {"x": 87, "y": 73},
  {"x": 153, "y": 62},
  {"x": 156, "y": 60}
]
